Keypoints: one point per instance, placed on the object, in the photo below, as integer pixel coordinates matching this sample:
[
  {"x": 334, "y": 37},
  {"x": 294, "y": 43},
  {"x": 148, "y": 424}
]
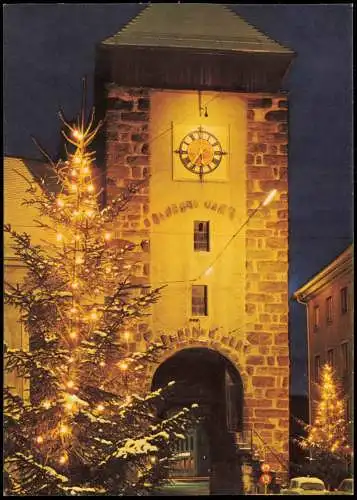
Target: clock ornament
[{"x": 200, "y": 152}]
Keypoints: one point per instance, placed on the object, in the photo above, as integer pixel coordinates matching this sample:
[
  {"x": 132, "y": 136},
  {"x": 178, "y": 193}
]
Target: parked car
[
  {"x": 305, "y": 486},
  {"x": 345, "y": 488}
]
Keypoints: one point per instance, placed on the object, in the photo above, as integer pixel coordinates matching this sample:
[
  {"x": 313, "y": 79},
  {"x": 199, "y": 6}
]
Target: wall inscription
[{"x": 184, "y": 206}]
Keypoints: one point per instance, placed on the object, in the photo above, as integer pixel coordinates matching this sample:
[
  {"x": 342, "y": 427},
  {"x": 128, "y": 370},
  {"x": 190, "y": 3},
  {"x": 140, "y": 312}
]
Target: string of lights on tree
[{"x": 79, "y": 306}]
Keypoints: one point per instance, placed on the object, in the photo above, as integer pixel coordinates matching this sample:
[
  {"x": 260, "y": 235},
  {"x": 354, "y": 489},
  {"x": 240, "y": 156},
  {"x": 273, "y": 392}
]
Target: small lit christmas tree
[
  {"x": 326, "y": 438},
  {"x": 86, "y": 429}
]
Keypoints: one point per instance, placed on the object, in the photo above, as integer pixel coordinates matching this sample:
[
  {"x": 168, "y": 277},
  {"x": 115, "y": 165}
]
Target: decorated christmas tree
[
  {"x": 86, "y": 428},
  {"x": 326, "y": 438}
]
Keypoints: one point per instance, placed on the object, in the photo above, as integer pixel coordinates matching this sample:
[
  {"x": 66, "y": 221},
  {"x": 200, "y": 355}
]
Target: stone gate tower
[{"x": 192, "y": 103}]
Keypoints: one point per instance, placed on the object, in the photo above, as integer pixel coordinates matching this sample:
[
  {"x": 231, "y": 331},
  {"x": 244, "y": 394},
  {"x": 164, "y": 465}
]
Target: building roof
[
  {"x": 341, "y": 265},
  {"x": 198, "y": 46},
  {"x": 194, "y": 25}
]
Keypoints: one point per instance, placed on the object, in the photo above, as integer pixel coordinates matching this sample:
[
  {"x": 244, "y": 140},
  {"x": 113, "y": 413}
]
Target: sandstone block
[
  {"x": 259, "y": 338},
  {"x": 255, "y": 360},
  {"x": 143, "y": 104},
  {"x": 137, "y": 160},
  {"x": 276, "y": 116},
  {"x": 280, "y": 338},
  {"x": 119, "y": 104},
  {"x": 263, "y": 102},
  {"x": 272, "y": 266},
  {"x": 250, "y": 308},
  {"x": 135, "y": 116},
  {"x": 253, "y": 403},
  {"x": 271, "y": 286},
  {"x": 275, "y": 308},
  {"x": 277, "y": 393},
  {"x": 269, "y": 413},
  {"x": 263, "y": 381}
]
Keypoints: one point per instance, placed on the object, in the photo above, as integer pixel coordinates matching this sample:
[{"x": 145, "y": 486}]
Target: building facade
[
  {"x": 191, "y": 101},
  {"x": 19, "y": 174},
  {"x": 328, "y": 298}
]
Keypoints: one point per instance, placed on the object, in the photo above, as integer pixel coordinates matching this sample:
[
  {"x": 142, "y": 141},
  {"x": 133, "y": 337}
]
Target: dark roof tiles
[{"x": 194, "y": 26}]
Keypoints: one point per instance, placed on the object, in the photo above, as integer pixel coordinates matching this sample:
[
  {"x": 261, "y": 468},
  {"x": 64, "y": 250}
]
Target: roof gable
[{"x": 194, "y": 25}]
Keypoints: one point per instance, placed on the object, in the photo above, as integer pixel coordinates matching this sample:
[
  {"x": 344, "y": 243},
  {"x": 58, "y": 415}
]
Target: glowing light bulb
[
  {"x": 60, "y": 202},
  {"x": 77, "y": 134},
  {"x": 100, "y": 407},
  {"x": 126, "y": 335},
  {"x": 123, "y": 365},
  {"x": 94, "y": 315},
  {"x": 75, "y": 284},
  {"x": 90, "y": 188},
  {"x": 47, "y": 404},
  {"x": 73, "y": 334},
  {"x": 63, "y": 459},
  {"x": 102, "y": 364},
  {"x": 107, "y": 236},
  {"x": 77, "y": 237},
  {"x": 73, "y": 310},
  {"x": 208, "y": 271},
  {"x": 59, "y": 237},
  {"x": 64, "y": 429},
  {"x": 70, "y": 384},
  {"x": 74, "y": 172},
  {"x": 270, "y": 197},
  {"x": 85, "y": 170},
  {"x": 39, "y": 439}
]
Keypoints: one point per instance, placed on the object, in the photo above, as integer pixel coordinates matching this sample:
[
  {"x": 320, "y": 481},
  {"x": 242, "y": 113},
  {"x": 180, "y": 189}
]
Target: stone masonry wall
[
  {"x": 267, "y": 352},
  {"x": 127, "y": 161},
  {"x": 265, "y": 347}
]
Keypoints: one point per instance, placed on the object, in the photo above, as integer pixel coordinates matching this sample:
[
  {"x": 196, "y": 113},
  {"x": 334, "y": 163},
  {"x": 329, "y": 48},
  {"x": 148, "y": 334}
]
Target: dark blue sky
[{"x": 48, "y": 48}]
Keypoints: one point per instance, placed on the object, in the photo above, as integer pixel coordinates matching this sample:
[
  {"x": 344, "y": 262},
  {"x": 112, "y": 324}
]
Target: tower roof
[
  {"x": 194, "y": 25},
  {"x": 192, "y": 46}
]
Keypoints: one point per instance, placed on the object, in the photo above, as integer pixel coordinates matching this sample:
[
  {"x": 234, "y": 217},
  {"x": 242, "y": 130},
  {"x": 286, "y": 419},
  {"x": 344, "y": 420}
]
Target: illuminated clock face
[{"x": 200, "y": 152}]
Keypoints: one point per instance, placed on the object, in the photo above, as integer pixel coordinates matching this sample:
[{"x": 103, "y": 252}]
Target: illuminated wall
[
  {"x": 222, "y": 203},
  {"x": 247, "y": 317}
]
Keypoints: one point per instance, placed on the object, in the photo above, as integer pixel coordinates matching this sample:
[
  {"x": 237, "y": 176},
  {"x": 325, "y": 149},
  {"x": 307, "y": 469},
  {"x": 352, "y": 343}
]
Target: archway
[{"x": 206, "y": 377}]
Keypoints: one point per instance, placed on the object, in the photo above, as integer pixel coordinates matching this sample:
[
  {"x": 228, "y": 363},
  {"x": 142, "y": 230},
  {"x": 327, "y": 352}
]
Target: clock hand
[{"x": 196, "y": 158}]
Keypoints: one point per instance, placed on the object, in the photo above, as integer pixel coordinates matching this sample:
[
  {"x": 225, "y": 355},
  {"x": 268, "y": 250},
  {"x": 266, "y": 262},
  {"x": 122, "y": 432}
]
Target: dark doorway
[{"x": 205, "y": 377}]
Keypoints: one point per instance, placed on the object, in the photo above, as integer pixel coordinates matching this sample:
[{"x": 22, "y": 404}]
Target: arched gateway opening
[{"x": 205, "y": 377}]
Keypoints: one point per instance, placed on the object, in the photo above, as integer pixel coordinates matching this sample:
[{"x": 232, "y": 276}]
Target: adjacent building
[
  {"x": 328, "y": 298},
  {"x": 19, "y": 175}
]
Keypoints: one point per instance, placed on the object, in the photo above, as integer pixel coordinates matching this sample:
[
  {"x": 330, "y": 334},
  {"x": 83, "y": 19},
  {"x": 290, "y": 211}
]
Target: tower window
[
  {"x": 201, "y": 236},
  {"x": 316, "y": 318},
  {"x": 331, "y": 357},
  {"x": 317, "y": 368},
  {"x": 199, "y": 300},
  {"x": 344, "y": 304},
  {"x": 329, "y": 309}
]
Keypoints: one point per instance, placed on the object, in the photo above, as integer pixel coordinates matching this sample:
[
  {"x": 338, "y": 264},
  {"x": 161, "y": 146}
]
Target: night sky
[{"x": 48, "y": 48}]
